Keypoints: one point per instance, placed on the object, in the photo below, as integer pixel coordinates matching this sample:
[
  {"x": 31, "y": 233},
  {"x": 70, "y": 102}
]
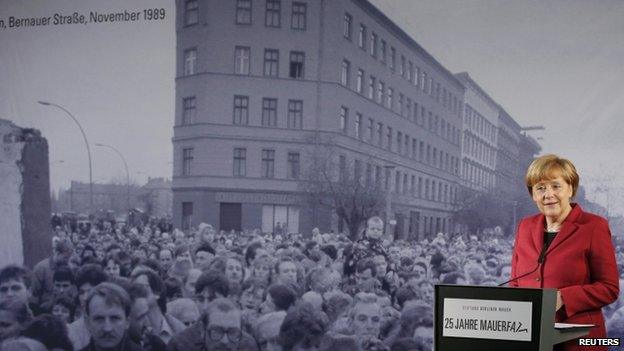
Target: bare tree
[{"x": 347, "y": 188}]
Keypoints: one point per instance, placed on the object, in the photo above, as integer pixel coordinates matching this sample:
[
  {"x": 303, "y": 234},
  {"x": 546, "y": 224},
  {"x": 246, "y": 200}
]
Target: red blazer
[{"x": 580, "y": 262}]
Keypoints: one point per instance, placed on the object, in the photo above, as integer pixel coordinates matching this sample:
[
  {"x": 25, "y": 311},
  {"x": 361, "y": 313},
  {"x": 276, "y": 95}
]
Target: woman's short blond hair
[{"x": 549, "y": 167}]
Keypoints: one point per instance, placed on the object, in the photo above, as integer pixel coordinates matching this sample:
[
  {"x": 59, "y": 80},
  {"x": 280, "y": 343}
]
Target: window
[
  {"x": 389, "y": 137},
  {"x": 243, "y": 11},
  {"x": 273, "y": 13},
  {"x": 373, "y": 44},
  {"x": 190, "y": 57},
  {"x": 377, "y": 176},
  {"x": 399, "y": 143},
  {"x": 240, "y": 162},
  {"x": 344, "y": 116},
  {"x": 295, "y": 114},
  {"x": 191, "y": 12},
  {"x": 357, "y": 170},
  {"x": 410, "y": 69},
  {"x": 390, "y": 98},
  {"x": 408, "y": 109},
  {"x": 241, "y": 60},
  {"x": 371, "y": 123},
  {"x": 380, "y": 134},
  {"x": 392, "y": 58},
  {"x": 402, "y": 69},
  {"x": 362, "y": 37},
  {"x": 268, "y": 163},
  {"x": 342, "y": 168},
  {"x": 380, "y": 92},
  {"x": 241, "y": 110},
  {"x": 384, "y": 51},
  {"x": 417, "y": 77},
  {"x": 347, "y": 26},
  {"x": 369, "y": 174},
  {"x": 359, "y": 84},
  {"x": 293, "y": 165},
  {"x": 187, "y": 160},
  {"x": 401, "y": 107},
  {"x": 269, "y": 112},
  {"x": 189, "y": 108},
  {"x": 371, "y": 87},
  {"x": 271, "y": 62},
  {"x": 187, "y": 215},
  {"x": 297, "y": 60},
  {"x": 299, "y": 17},
  {"x": 397, "y": 182},
  {"x": 344, "y": 73},
  {"x": 358, "y": 125}
]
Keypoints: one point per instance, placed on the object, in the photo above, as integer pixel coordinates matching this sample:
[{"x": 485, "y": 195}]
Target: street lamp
[
  {"x": 45, "y": 103},
  {"x": 127, "y": 171}
]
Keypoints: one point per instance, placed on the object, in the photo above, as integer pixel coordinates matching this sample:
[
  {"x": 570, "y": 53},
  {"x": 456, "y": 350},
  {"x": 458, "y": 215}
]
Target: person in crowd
[
  {"x": 303, "y": 328},
  {"x": 266, "y": 331},
  {"x": 164, "y": 325},
  {"x": 87, "y": 277},
  {"x": 43, "y": 283},
  {"x": 14, "y": 315},
  {"x": 365, "y": 319},
  {"x": 262, "y": 268},
  {"x": 140, "y": 330},
  {"x": 165, "y": 256},
  {"x": 286, "y": 271},
  {"x": 112, "y": 267},
  {"x": 15, "y": 285},
  {"x": 210, "y": 286},
  {"x": 368, "y": 246},
  {"x": 64, "y": 308},
  {"x": 565, "y": 248},
  {"x": 279, "y": 297},
  {"x": 189, "y": 282},
  {"x": 204, "y": 254},
  {"x": 107, "y": 308},
  {"x": 220, "y": 329},
  {"x": 185, "y": 310},
  {"x": 50, "y": 331}
]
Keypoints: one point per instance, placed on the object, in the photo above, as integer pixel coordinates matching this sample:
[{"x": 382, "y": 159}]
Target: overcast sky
[{"x": 555, "y": 63}]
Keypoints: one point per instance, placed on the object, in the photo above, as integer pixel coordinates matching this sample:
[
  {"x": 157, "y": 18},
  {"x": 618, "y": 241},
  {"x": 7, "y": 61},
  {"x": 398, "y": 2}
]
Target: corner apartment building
[
  {"x": 479, "y": 132},
  {"x": 256, "y": 80}
]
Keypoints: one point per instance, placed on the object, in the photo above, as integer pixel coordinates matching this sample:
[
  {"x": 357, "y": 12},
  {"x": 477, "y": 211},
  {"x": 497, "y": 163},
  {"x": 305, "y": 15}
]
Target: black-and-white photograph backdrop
[{"x": 302, "y": 174}]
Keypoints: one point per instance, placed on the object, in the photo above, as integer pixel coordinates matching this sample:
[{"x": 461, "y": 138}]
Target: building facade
[
  {"x": 479, "y": 136},
  {"x": 258, "y": 80}
]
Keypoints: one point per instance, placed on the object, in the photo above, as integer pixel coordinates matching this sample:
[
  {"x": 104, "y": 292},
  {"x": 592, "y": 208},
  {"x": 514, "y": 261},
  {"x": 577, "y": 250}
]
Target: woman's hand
[{"x": 559, "y": 301}]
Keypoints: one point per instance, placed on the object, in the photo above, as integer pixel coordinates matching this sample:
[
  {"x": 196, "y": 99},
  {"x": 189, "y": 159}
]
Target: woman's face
[
  {"x": 552, "y": 197},
  {"x": 62, "y": 313},
  {"x": 9, "y": 326},
  {"x": 234, "y": 270},
  {"x": 262, "y": 272},
  {"x": 251, "y": 298},
  {"x": 112, "y": 269}
]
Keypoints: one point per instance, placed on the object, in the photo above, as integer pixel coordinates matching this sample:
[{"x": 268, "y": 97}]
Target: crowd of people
[{"x": 142, "y": 288}]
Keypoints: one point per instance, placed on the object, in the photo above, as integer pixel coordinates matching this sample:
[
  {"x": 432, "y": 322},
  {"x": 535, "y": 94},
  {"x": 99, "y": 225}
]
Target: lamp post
[
  {"x": 127, "y": 171},
  {"x": 46, "y": 103}
]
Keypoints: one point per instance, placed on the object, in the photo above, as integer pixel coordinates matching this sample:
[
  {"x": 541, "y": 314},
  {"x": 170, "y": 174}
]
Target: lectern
[{"x": 481, "y": 318}]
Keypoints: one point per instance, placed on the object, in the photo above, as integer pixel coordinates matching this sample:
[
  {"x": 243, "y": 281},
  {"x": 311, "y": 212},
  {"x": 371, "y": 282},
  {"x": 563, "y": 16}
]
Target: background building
[
  {"x": 154, "y": 198},
  {"x": 260, "y": 84}
]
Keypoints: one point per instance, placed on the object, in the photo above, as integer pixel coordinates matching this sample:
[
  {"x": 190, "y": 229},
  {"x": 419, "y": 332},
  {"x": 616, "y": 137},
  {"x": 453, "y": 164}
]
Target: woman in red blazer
[{"x": 579, "y": 258}]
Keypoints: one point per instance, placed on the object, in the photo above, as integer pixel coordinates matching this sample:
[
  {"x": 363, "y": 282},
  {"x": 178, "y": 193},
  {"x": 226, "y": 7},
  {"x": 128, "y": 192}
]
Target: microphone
[{"x": 540, "y": 261}]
